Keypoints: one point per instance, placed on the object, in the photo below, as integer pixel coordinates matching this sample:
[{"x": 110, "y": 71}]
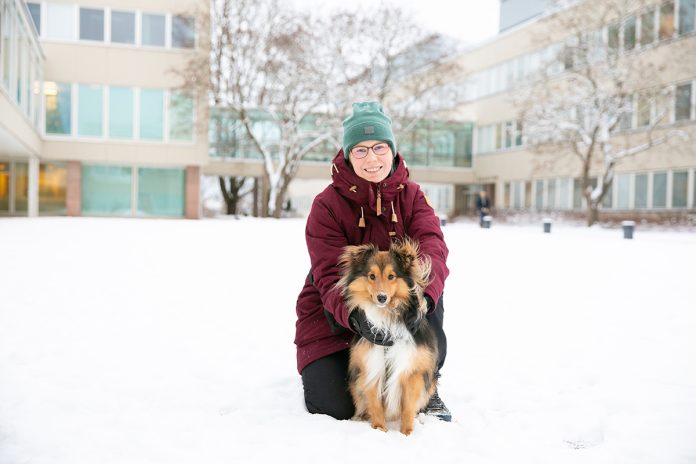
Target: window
[
  {"x": 89, "y": 110},
  {"x": 58, "y": 108},
  {"x": 539, "y": 195},
  {"x": 151, "y": 114},
  {"x": 122, "y": 27},
  {"x": 641, "y": 191},
  {"x": 607, "y": 200},
  {"x": 60, "y": 21},
  {"x": 498, "y": 136},
  {"x": 106, "y": 190},
  {"x": 577, "y": 193},
  {"x": 121, "y": 113},
  {"x": 667, "y": 20},
  {"x": 659, "y": 190},
  {"x": 623, "y": 182},
  {"x": 643, "y": 111},
  {"x": 181, "y": 116},
  {"x": 626, "y": 117},
  {"x": 630, "y": 33},
  {"x": 509, "y": 133},
  {"x": 52, "y": 188},
  {"x": 21, "y": 190},
  {"x": 153, "y": 30},
  {"x": 5, "y": 187},
  {"x": 682, "y": 104},
  {"x": 647, "y": 28},
  {"x": 91, "y": 24},
  {"x": 518, "y": 194},
  {"x": 680, "y": 183},
  {"x": 568, "y": 53},
  {"x": 551, "y": 199},
  {"x": 613, "y": 36},
  {"x": 23, "y": 72},
  {"x": 183, "y": 32},
  {"x": 35, "y": 12},
  {"x": 7, "y": 43},
  {"x": 564, "y": 193},
  {"x": 161, "y": 192},
  {"x": 37, "y": 79},
  {"x": 687, "y": 16}
]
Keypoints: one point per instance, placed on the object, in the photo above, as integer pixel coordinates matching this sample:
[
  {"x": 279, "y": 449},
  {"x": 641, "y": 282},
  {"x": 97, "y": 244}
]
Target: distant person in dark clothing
[{"x": 483, "y": 206}]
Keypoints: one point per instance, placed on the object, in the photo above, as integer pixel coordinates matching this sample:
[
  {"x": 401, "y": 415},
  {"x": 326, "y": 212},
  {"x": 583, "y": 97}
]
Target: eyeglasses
[{"x": 378, "y": 149}]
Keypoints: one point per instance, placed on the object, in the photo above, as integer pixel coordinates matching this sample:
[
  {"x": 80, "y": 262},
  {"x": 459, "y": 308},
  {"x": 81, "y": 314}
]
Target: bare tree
[
  {"x": 588, "y": 95},
  {"x": 289, "y": 77}
]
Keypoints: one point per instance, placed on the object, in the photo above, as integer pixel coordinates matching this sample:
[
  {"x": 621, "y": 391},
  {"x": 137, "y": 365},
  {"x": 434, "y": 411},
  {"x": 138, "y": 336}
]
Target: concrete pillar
[
  {"x": 73, "y": 190},
  {"x": 33, "y": 187},
  {"x": 193, "y": 192}
]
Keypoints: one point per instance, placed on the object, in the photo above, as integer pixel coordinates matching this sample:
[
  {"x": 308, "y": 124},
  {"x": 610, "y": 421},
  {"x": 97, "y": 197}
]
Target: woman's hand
[{"x": 359, "y": 323}]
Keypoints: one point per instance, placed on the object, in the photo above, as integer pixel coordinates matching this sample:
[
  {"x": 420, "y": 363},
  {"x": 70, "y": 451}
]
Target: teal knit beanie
[{"x": 368, "y": 122}]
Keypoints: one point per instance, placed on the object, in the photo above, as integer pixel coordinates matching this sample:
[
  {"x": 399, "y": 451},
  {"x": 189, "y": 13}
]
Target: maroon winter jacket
[{"x": 333, "y": 223}]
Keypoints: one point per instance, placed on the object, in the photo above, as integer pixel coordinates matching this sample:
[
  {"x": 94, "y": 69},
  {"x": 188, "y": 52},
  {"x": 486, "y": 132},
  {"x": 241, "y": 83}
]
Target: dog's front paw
[
  {"x": 407, "y": 429},
  {"x": 379, "y": 426}
]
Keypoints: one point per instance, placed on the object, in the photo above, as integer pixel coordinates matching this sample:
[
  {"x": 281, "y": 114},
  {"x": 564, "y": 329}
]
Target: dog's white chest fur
[{"x": 387, "y": 364}]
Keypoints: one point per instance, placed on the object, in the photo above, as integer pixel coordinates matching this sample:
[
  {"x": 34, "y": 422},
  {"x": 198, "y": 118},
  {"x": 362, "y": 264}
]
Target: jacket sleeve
[
  {"x": 325, "y": 243},
  {"x": 425, "y": 227}
]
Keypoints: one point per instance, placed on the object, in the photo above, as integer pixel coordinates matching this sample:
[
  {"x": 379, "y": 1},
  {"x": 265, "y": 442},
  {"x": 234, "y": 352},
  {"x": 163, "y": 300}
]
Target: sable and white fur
[{"x": 389, "y": 382}]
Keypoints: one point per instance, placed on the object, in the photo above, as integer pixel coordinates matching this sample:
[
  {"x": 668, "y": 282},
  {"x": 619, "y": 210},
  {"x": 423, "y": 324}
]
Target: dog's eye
[
  {"x": 372, "y": 277},
  {"x": 391, "y": 277}
]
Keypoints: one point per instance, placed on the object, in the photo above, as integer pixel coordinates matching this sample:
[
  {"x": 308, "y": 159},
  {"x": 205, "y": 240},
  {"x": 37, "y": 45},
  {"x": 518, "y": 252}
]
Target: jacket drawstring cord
[
  {"x": 361, "y": 222},
  {"x": 379, "y": 203},
  {"x": 333, "y": 166},
  {"x": 393, "y": 218}
]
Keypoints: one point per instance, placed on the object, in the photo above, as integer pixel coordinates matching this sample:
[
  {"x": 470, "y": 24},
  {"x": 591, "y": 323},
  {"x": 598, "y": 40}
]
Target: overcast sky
[{"x": 469, "y": 20}]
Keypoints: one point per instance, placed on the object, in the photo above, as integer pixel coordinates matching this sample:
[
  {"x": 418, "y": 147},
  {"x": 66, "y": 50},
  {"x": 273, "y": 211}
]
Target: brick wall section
[
  {"x": 73, "y": 194},
  {"x": 193, "y": 187}
]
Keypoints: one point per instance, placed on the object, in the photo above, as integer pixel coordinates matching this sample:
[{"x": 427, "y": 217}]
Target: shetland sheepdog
[{"x": 389, "y": 383}]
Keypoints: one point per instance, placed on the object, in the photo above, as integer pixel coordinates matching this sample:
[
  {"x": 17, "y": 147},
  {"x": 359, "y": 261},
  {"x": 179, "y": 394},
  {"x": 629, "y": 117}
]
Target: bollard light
[
  {"x": 628, "y": 227},
  {"x": 487, "y": 222}
]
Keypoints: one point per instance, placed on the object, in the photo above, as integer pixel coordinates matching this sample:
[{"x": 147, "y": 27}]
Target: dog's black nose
[{"x": 381, "y": 298}]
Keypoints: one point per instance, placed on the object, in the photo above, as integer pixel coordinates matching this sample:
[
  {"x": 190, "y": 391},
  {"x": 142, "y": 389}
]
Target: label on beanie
[{"x": 369, "y": 129}]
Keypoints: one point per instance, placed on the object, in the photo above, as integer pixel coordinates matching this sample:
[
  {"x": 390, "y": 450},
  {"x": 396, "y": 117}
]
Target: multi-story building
[
  {"x": 92, "y": 119},
  {"x": 92, "y": 123},
  {"x": 655, "y": 183}
]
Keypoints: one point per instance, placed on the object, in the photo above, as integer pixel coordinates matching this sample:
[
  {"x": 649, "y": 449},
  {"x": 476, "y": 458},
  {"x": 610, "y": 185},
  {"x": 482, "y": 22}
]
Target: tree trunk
[
  {"x": 592, "y": 214},
  {"x": 265, "y": 196},
  {"x": 280, "y": 196},
  {"x": 230, "y": 192}
]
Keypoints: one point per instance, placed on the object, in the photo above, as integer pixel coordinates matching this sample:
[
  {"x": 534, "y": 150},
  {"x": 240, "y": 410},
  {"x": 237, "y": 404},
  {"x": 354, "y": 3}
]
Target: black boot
[{"x": 437, "y": 408}]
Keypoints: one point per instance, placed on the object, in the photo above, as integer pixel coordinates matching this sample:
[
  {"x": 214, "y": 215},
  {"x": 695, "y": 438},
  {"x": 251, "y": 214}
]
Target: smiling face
[{"x": 373, "y": 167}]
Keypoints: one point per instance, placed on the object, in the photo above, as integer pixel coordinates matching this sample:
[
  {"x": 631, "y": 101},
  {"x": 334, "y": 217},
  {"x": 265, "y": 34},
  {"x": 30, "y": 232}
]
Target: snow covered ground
[{"x": 162, "y": 341}]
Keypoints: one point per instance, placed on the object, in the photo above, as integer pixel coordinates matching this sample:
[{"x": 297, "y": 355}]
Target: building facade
[
  {"x": 92, "y": 120},
  {"x": 92, "y": 117},
  {"x": 654, "y": 183}
]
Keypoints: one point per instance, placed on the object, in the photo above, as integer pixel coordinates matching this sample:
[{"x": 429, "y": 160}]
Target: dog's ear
[
  {"x": 405, "y": 253},
  {"x": 355, "y": 255}
]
